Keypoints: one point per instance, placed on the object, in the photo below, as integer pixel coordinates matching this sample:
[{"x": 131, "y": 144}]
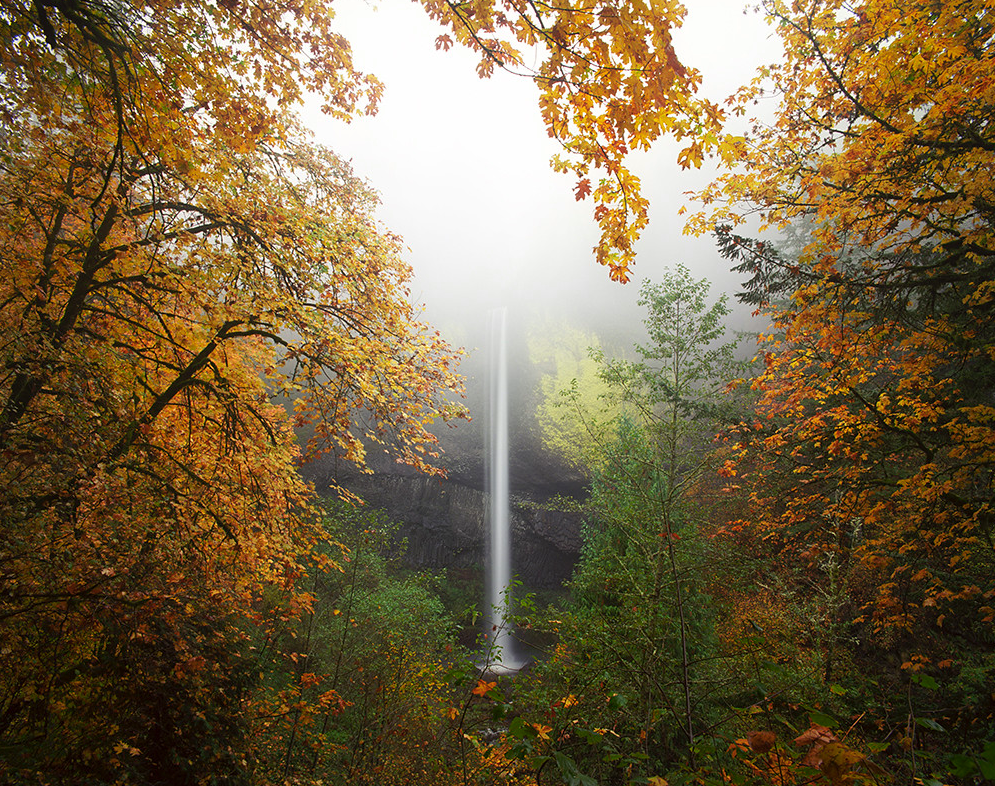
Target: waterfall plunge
[{"x": 500, "y": 655}]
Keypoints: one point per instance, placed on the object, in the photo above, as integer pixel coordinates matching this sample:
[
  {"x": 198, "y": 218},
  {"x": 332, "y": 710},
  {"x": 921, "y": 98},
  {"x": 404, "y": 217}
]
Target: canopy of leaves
[
  {"x": 610, "y": 83},
  {"x": 175, "y": 254},
  {"x": 872, "y": 447},
  {"x": 881, "y": 131}
]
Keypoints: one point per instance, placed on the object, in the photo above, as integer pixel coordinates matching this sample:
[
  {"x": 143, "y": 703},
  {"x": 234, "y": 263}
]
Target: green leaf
[
  {"x": 571, "y": 775},
  {"x": 822, "y": 719},
  {"x": 518, "y": 729},
  {"x": 926, "y": 681},
  {"x": 617, "y": 701},
  {"x": 962, "y": 766},
  {"x": 590, "y": 737},
  {"x": 785, "y": 722},
  {"x": 929, "y": 723}
]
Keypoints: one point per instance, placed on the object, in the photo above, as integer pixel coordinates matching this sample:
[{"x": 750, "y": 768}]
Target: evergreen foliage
[{"x": 638, "y": 629}]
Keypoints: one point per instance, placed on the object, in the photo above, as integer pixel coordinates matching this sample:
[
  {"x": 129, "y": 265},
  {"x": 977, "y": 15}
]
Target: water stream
[{"x": 499, "y": 653}]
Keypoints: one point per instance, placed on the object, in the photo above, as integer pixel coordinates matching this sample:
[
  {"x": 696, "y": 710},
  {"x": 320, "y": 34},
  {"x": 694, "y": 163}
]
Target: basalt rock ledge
[{"x": 443, "y": 524}]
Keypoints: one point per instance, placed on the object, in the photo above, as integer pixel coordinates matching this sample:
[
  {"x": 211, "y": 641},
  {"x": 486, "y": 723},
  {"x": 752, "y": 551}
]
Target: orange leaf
[
  {"x": 816, "y": 734},
  {"x": 483, "y": 688},
  {"x": 760, "y": 741}
]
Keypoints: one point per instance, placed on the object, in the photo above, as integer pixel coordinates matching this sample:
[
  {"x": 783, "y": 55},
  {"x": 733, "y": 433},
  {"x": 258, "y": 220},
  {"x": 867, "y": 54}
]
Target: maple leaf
[
  {"x": 542, "y": 731},
  {"x": 483, "y": 687},
  {"x": 443, "y": 42},
  {"x": 692, "y": 155}
]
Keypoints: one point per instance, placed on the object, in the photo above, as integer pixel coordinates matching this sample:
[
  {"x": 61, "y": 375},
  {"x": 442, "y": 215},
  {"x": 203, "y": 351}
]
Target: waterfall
[{"x": 500, "y": 654}]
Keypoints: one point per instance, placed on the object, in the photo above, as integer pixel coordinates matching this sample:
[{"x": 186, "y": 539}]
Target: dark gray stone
[{"x": 444, "y": 525}]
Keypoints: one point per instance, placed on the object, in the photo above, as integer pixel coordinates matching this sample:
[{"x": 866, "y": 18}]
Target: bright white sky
[{"x": 462, "y": 168}]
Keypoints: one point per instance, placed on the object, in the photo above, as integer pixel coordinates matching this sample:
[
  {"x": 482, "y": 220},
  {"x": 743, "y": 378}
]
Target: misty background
[{"x": 462, "y": 167}]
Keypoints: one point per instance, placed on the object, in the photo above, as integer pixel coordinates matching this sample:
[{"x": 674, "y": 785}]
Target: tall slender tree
[{"x": 638, "y": 626}]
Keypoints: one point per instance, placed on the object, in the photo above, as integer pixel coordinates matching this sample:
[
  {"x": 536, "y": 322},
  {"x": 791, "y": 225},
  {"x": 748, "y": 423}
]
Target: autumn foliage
[
  {"x": 178, "y": 260},
  {"x": 868, "y": 458},
  {"x": 610, "y": 82},
  {"x": 873, "y": 396},
  {"x": 186, "y": 276}
]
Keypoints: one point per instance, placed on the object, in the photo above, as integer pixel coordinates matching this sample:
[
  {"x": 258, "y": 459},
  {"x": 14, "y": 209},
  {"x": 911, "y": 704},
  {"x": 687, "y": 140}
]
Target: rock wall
[{"x": 444, "y": 525}]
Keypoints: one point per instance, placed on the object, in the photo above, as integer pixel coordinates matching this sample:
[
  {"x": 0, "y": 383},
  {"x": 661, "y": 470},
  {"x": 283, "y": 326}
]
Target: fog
[{"x": 462, "y": 166}]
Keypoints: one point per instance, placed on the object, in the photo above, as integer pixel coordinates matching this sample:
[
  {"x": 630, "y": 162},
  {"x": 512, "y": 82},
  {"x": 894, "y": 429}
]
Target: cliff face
[{"x": 444, "y": 525}]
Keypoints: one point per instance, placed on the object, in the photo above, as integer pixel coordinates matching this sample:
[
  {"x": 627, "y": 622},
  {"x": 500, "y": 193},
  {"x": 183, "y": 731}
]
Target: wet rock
[{"x": 444, "y": 526}]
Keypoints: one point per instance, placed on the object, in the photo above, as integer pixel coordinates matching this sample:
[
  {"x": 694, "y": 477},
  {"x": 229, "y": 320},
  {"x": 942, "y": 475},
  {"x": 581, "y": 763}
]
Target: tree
[
  {"x": 874, "y": 418},
  {"x": 638, "y": 625},
  {"x": 570, "y": 390},
  {"x": 869, "y": 462},
  {"x": 365, "y": 682},
  {"x": 176, "y": 255}
]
